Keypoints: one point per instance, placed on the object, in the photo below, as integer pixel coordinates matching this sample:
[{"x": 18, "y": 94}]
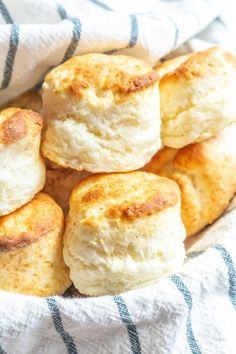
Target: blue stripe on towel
[
  {"x": 57, "y": 321},
  {"x": 222, "y": 22},
  {"x": 62, "y": 12},
  {"x": 131, "y": 327},
  {"x": 194, "y": 254},
  {"x": 2, "y": 351},
  {"x": 188, "y": 299},
  {"x": 5, "y": 13},
  {"x": 76, "y": 32},
  {"x": 101, "y": 4},
  {"x": 134, "y": 31},
  {"x": 13, "y": 45},
  {"x": 133, "y": 34},
  {"x": 231, "y": 272}
]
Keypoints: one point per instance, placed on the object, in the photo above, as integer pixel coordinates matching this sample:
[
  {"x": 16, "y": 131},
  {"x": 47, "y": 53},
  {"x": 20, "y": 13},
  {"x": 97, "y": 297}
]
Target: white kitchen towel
[
  {"x": 37, "y": 35},
  {"x": 193, "y": 311}
]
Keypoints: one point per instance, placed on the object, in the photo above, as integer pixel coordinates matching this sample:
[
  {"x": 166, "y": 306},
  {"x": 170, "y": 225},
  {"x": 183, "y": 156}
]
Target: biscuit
[
  {"x": 124, "y": 231},
  {"x": 171, "y": 64},
  {"x": 28, "y": 100},
  {"x": 102, "y": 113},
  {"x": 22, "y": 172},
  {"x": 198, "y": 98},
  {"x": 206, "y": 174},
  {"x": 31, "y": 260},
  {"x": 60, "y": 183}
]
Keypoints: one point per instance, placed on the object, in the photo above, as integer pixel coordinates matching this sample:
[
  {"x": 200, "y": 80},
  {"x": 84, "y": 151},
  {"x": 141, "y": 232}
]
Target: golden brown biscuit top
[
  {"x": 171, "y": 64},
  {"x": 118, "y": 73},
  {"x": 16, "y": 123},
  {"x": 161, "y": 161},
  {"x": 30, "y": 222},
  {"x": 126, "y": 196},
  {"x": 203, "y": 64}
]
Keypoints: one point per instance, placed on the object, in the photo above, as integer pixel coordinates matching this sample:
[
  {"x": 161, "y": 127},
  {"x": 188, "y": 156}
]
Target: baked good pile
[{"x": 107, "y": 171}]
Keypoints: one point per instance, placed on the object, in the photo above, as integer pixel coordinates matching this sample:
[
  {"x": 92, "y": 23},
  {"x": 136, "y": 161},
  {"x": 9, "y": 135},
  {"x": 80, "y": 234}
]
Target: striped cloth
[
  {"x": 37, "y": 35},
  {"x": 190, "y": 312}
]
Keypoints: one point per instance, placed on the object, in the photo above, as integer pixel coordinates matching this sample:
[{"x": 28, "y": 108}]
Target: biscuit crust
[
  {"x": 123, "y": 231},
  {"x": 101, "y": 110},
  {"x": 29, "y": 100},
  {"x": 206, "y": 175},
  {"x": 198, "y": 98},
  {"x": 28, "y": 223},
  {"x": 22, "y": 172},
  {"x": 31, "y": 241}
]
